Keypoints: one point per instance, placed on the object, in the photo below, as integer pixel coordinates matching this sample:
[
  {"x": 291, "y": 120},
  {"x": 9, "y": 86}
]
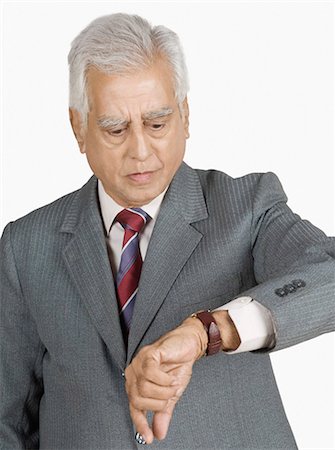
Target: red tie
[{"x": 133, "y": 221}]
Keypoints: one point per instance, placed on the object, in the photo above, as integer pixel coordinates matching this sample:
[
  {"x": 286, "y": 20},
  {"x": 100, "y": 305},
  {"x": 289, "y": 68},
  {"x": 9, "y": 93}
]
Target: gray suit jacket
[{"x": 62, "y": 353}]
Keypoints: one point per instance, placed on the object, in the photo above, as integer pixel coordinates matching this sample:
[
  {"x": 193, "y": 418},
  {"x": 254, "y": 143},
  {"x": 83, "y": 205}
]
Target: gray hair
[{"x": 122, "y": 43}]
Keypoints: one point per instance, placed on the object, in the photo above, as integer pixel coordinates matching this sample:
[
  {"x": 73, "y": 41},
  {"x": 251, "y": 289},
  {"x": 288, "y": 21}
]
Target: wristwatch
[{"x": 214, "y": 337}]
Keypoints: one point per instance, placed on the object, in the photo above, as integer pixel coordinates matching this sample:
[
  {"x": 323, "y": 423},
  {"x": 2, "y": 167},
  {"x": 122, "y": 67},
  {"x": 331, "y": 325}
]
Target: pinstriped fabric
[
  {"x": 133, "y": 220},
  {"x": 216, "y": 237}
]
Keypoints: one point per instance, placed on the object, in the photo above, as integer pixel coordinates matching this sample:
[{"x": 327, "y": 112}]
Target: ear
[
  {"x": 78, "y": 128},
  {"x": 185, "y": 116}
]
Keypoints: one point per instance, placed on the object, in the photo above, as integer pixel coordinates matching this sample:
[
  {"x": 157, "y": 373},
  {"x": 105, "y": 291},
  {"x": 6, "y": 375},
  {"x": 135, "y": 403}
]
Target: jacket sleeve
[
  {"x": 21, "y": 353},
  {"x": 294, "y": 268}
]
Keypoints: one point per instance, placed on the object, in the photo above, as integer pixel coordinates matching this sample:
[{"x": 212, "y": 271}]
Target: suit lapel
[
  {"x": 87, "y": 261},
  {"x": 172, "y": 242}
]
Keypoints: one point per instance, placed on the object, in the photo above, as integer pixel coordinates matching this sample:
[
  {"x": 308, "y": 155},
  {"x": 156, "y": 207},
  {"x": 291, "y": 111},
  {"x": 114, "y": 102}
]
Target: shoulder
[
  {"x": 213, "y": 177},
  {"x": 249, "y": 188},
  {"x": 44, "y": 221}
]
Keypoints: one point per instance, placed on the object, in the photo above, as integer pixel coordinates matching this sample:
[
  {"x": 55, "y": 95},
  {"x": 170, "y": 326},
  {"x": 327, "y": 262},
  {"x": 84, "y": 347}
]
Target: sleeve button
[
  {"x": 280, "y": 292},
  {"x": 289, "y": 288},
  {"x": 298, "y": 283}
]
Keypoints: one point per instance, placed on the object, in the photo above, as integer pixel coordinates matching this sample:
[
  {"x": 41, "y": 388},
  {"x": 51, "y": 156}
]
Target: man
[{"x": 98, "y": 288}]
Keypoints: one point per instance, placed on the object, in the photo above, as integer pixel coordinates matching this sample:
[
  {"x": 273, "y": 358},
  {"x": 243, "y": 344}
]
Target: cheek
[
  {"x": 176, "y": 149},
  {"x": 96, "y": 140},
  {"x": 172, "y": 146},
  {"x": 102, "y": 158}
]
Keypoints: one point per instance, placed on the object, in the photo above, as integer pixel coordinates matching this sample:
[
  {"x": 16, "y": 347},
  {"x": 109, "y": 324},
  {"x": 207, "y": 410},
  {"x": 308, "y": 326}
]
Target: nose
[{"x": 139, "y": 146}]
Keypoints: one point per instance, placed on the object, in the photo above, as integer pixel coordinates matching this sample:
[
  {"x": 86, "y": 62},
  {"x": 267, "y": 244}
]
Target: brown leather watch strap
[{"x": 214, "y": 337}]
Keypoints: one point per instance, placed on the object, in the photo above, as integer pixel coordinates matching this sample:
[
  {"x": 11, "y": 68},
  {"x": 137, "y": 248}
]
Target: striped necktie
[{"x": 133, "y": 220}]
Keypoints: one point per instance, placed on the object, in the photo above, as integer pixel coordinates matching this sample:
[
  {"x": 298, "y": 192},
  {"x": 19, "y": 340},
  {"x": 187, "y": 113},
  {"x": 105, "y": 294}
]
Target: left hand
[{"x": 160, "y": 373}]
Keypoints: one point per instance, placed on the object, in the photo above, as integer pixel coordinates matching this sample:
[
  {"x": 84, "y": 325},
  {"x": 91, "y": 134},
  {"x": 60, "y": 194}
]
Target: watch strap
[{"x": 214, "y": 337}]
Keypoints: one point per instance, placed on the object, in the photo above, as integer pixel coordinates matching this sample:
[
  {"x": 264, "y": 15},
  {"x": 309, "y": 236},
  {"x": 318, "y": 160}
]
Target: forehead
[{"x": 144, "y": 90}]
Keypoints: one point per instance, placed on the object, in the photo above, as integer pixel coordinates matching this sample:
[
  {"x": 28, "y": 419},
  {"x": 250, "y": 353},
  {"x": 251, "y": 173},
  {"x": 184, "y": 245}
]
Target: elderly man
[{"x": 145, "y": 304}]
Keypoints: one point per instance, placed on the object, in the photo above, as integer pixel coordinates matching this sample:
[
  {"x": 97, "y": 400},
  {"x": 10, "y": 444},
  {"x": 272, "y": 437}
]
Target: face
[{"x": 135, "y": 135}]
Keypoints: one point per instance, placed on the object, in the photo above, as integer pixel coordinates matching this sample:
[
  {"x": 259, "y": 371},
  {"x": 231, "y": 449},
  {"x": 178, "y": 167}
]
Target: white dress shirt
[{"x": 252, "y": 320}]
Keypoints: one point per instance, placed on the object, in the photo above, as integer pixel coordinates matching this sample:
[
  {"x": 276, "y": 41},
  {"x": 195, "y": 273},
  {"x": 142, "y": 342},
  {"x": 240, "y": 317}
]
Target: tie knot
[{"x": 133, "y": 219}]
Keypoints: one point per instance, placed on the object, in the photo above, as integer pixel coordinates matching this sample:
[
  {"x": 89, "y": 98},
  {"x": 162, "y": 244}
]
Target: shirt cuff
[{"x": 253, "y": 322}]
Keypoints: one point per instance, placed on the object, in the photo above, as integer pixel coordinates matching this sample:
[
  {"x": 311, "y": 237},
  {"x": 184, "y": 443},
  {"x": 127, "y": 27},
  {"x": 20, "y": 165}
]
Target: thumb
[{"x": 161, "y": 421}]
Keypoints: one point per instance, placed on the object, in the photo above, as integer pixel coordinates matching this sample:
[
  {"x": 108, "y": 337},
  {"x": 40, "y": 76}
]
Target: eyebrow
[
  {"x": 111, "y": 122},
  {"x": 163, "y": 112},
  {"x": 106, "y": 122}
]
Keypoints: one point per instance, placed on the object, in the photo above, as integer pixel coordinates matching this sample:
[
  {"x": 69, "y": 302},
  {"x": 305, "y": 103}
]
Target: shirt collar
[{"x": 109, "y": 207}]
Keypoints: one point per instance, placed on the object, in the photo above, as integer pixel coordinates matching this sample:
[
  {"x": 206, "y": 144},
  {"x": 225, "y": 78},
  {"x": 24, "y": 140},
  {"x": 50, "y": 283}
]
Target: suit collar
[
  {"x": 84, "y": 205},
  {"x": 184, "y": 194}
]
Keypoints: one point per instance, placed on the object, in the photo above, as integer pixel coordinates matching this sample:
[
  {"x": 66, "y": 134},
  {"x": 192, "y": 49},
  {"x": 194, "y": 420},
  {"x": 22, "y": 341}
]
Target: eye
[
  {"x": 157, "y": 126},
  {"x": 118, "y": 132}
]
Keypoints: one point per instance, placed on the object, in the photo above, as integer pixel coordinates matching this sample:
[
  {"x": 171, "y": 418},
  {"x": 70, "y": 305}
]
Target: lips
[{"x": 142, "y": 177}]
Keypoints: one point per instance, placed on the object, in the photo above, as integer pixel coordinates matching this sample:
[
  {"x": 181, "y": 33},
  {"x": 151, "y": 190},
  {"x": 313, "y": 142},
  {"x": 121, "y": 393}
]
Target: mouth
[{"x": 141, "y": 177}]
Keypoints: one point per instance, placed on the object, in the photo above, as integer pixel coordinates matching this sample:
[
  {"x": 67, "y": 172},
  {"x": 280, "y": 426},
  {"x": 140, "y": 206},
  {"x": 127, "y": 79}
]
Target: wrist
[
  {"x": 229, "y": 334},
  {"x": 198, "y": 331}
]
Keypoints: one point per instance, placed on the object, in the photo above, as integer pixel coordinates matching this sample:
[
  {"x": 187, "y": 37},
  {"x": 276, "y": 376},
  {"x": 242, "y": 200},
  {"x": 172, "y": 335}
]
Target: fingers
[
  {"x": 155, "y": 380},
  {"x": 144, "y": 394},
  {"x": 161, "y": 421},
  {"x": 147, "y": 404},
  {"x": 147, "y": 389},
  {"x": 146, "y": 367},
  {"x": 140, "y": 422},
  {"x": 156, "y": 375}
]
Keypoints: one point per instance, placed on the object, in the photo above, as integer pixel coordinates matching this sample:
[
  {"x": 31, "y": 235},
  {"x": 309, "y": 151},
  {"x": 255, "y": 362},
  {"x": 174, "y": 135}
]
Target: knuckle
[
  {"x": 137, "y": 403},
  {"x": 147, "y": 369},
  {"x": 133, "y": 400}
]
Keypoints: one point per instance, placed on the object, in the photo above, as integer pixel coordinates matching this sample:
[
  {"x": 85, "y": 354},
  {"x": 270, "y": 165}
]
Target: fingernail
[{"x": 139, "y": 438}]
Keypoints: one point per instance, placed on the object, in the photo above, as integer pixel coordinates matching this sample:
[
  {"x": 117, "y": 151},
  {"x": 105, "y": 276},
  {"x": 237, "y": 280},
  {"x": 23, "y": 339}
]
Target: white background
[{"x": 261, "y": 98}]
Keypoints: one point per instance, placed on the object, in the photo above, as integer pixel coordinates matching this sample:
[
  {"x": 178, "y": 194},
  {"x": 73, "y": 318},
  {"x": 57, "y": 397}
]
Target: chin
[{"x": 145, "y": 196}]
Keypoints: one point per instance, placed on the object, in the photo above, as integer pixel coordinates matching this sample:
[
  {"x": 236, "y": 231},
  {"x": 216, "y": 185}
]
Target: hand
[{"x": 160, "y": 373}]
